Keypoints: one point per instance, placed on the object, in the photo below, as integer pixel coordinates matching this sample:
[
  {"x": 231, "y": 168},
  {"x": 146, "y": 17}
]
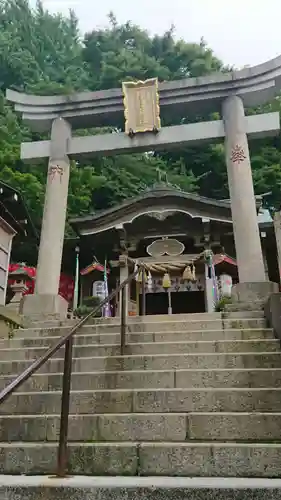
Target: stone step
[
  {"x": 144, "y": 379},
  {"x": 146, "y": 427},
  {"x": 149, "y": 326},
  {"x": 243, "y": 314},
  {"x": 236, "y": 399},
  {"x": 159, "y": 318},
  {"x": 245, "y": 306},
  {"x": 153, "y": 362},
  {"x": 220, "y": 346},
  {"x": 168, "y": 336},
  {"x": 56, "y": 324},
  {"x": 131, "y": 319},
  {"x": 246, "y": 310},
  {"x": 244, "y": 323},
  {"x": 188, "y": 459},
  {"x": 137, "y": 488}
]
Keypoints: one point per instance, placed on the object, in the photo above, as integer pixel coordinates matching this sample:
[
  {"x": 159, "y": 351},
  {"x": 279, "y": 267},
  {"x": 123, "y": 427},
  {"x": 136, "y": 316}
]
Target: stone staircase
[{"x": 194, "y": 396}]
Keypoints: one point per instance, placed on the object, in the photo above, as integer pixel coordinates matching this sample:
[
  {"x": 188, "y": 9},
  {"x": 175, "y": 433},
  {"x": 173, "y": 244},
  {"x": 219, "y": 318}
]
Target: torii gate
[{"x": 227, "y": 93}]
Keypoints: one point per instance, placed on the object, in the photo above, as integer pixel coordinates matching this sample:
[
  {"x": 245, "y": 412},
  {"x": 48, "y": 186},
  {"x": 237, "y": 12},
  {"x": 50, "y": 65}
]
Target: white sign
[
  {"x": 99, "y": 289},
  {"x": 225, "y": 285}
]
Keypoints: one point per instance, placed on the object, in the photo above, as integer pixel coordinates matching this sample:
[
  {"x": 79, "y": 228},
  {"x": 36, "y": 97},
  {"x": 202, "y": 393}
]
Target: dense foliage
[{"x": 44, "y": 54}]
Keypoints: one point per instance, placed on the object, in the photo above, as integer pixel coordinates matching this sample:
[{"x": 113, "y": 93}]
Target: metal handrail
[{"x": 67, "y": 341}]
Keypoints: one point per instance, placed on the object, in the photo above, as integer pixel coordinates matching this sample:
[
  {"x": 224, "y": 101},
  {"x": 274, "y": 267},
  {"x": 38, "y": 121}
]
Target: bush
[
  {"x": 89, "y": 303},
  {"x": 222, "y": 302}
]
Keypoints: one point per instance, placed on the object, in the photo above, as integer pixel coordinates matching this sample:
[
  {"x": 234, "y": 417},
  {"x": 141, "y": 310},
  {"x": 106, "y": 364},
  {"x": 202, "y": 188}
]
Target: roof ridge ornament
[
  {"x": 162, "y": 178},
  {"x": 163, "y": 182}
]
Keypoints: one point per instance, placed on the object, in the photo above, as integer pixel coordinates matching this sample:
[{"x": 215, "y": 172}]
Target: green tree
[{"x": 126, "y": 52}]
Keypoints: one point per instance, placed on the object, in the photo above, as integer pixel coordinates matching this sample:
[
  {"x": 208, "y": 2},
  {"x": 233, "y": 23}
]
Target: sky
[{"x": 241, "y": 32}]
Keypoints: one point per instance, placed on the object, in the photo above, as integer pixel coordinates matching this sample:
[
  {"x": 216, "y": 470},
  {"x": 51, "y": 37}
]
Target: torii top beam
[{"x": 255, "y": 85}]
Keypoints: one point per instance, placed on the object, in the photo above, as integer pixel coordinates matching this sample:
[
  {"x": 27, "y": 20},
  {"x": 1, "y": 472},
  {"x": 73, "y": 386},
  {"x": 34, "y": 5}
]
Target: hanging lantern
[
  {"x": 166, "y": 282},
  {"x": 139, "y": 276},
  {"x": 187, "y": 274},
  {"x": 149, "y": 282},
  {"x": 193, "y": 273}
]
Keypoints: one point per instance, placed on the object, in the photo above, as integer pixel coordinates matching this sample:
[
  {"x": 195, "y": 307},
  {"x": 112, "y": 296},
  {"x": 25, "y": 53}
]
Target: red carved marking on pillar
[{"x": 237, "y": 154}]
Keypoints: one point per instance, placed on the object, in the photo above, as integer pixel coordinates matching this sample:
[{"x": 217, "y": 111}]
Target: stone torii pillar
[
  {"x": 277, "y": 231},
  {"x": 46, "y": 301},
  {"x": 253, "y": 283}
]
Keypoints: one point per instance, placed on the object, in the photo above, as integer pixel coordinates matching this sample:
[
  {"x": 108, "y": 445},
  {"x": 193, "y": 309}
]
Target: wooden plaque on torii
[{"x": 141, "y": 106}]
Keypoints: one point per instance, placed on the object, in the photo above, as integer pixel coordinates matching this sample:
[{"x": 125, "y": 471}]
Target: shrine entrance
[
  {"x": 156, "y": 303},
  {"x": 175, "y": 284},
  {"x": 188, "y": 302},
  {"x": 141, "y": 105},
  {"x": 182, "y": 303}
]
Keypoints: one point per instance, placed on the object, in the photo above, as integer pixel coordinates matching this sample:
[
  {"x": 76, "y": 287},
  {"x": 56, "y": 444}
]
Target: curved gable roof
[{"x": 158, "y": 199}]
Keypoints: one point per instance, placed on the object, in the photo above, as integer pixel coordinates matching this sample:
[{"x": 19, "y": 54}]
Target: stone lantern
[{"x": 19, "y": 287}]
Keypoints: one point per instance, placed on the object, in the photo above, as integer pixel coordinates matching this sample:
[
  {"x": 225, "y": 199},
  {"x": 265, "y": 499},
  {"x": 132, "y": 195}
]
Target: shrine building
[{"x": 169, "y": 230}]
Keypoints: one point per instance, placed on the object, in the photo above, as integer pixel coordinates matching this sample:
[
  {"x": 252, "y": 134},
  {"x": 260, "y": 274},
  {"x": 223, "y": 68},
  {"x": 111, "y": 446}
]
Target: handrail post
[
  {"x": 65, "y": 406},
  {"x": 143, "y": 292},
  {"x": 123, "y": 320}
]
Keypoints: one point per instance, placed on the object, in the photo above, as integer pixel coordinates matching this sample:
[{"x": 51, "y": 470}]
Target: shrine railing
[{"x": 67, "y": 342}]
